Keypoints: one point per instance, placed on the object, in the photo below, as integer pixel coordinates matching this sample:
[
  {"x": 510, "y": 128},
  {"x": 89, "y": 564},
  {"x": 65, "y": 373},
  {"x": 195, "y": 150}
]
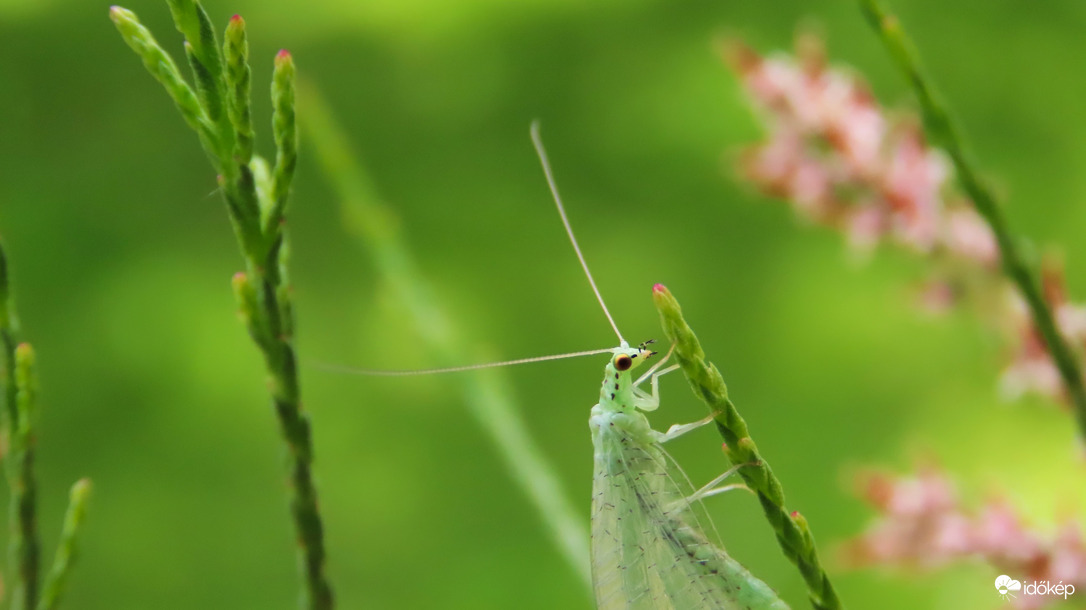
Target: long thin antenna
[
  {"x": 455, "y": 369},
  {"x": 538, "y": 142}
]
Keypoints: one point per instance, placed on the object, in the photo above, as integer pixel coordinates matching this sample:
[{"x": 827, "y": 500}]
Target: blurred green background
[{"x": 122, "y": 254}]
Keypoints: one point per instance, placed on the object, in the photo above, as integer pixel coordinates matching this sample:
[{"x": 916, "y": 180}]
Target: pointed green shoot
[
  {"x": 239, "y": 87},
  {"x": 207, "y": 87},
  {"x": 285, "y": 130},
  {"x": 792, "y": 533},
  {"x": 205, "y": 108},
  {"x": 192, "y": 21},
  {"x": 67, "y": 549},
  {"x": 164, "y": 70},
  {"x": 23, "y": 546}
]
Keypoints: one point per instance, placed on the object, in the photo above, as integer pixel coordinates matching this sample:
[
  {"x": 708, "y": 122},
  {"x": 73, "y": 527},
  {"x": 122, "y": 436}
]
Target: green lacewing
[{"x": 649, "y": 550}]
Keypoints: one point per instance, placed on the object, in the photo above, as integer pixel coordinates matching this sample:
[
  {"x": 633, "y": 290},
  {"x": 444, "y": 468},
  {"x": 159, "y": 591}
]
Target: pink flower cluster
[
  {"x": 923, "y": 525},
  {"x": 835, "y": 155}
]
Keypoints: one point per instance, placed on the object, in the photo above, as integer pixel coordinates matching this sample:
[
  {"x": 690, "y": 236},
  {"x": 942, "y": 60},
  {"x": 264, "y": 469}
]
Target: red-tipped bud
[
  {"x": 23, "y": 348},
  {"x": 284, "y": 64}
]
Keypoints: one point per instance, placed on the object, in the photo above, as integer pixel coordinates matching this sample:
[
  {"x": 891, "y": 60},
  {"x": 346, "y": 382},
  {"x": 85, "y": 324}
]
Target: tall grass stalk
[
  {"x": 217, "y": 107},
  {"x": 369, "y": 219},
  {"x": 945, "y": 133},
  {"x": 18, "y": 418}
]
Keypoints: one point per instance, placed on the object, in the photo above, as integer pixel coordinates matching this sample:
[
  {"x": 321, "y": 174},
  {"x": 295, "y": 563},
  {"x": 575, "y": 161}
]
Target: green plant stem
[
  {"x": 484, "y": 392},
  {"x": 18, "y": 417},
  {"x": 945, "y": 134},
  {"x": 25, "y": 547},
  {"x": 66, "y": 551},
  {"x": 793, "y": 534},
  {"x": 256, "y": 202},
  {"x": 9, "y": 328},
  {"x": 278, "y": 344},
  {"x": 260, "y": 308}
]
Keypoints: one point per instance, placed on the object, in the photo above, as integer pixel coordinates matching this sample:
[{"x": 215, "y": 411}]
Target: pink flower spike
[
  {"x": 945, "y": 532},
  {"x": 841, "y": 160}
]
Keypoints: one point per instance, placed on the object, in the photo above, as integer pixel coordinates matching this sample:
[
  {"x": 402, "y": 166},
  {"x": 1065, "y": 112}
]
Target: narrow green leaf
[
  {"x": 67, "y": 551},
  {"x": 285, "y": 130},
  {"x": 209, "y": 52},
  {"x": 186, "y": 19},
  {"x": 205, "y": 59},
  {"x": 192, "y": 21},
  {"x": 164, "y": 70},
  {"x": 207, "y": 88},
  {"x": 239, "y": 86}
]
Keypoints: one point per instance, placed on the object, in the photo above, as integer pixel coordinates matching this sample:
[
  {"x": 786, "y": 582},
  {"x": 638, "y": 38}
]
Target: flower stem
[
  {"x": 18, "y": 416},
  {"x": 793, "y": 534},
  {"x": 19, "y": 394},
  {"x": 219, "y": 111},
  {"x": 945, "y": 133}
]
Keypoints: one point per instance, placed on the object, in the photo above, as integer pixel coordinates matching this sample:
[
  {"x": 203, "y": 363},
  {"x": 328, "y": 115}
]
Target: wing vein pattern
[{"x": 647, "y": 554}]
